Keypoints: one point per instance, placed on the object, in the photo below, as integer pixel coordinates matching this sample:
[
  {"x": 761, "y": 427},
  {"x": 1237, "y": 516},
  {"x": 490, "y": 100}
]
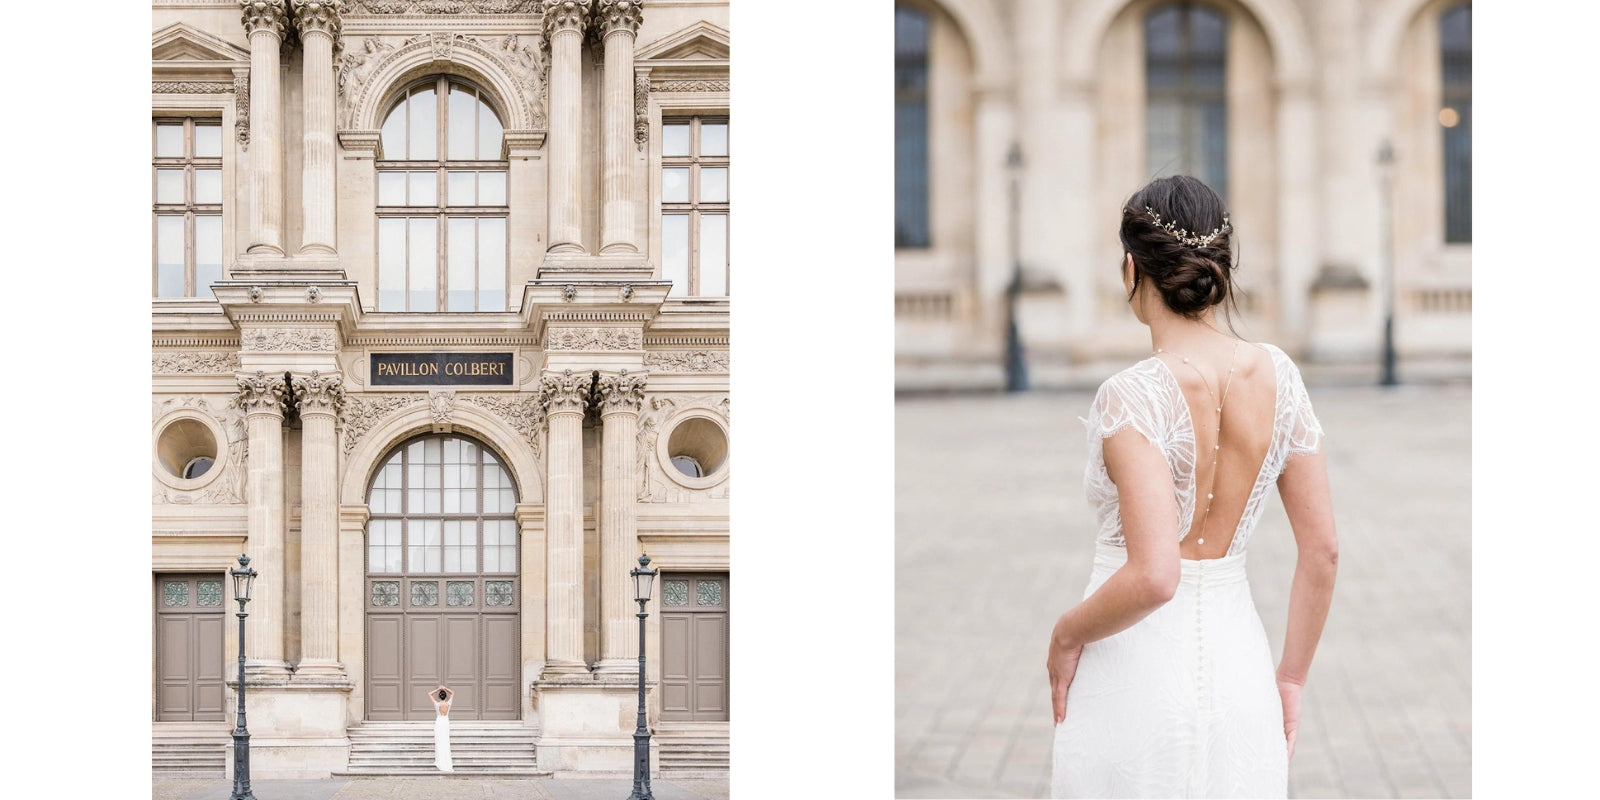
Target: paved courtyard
[
  {"x": 993, "y": 540},
  {"x": 454, "y": 788}
]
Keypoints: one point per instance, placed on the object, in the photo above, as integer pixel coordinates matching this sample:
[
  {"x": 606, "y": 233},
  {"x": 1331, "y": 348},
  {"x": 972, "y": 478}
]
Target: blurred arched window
[
  {"x": 1186, "y": 119},
  {"x": 911, "y": 34},
  {"x": 1455, "y": 118}
]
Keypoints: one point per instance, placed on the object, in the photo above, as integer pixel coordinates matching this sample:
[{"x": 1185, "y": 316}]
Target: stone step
[{"x": 460, "y": 772}]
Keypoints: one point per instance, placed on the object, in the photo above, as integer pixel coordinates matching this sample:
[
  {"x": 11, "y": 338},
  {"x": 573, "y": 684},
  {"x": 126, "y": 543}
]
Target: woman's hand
[
  {"x": 1062, "y": 664},
  {"x": 1289, "y": 693}
]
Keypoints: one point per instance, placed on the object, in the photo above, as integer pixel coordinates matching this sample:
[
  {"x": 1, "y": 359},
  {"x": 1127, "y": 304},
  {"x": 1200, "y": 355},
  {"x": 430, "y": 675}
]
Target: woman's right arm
[{"x": 1309, "y": 505}]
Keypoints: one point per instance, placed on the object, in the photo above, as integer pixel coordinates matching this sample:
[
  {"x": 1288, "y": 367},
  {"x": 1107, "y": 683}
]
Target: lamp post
[
  {"x": 1386, "y": 179},
  {"x": 243, "y": 579},
  {"x": 1016, "y": 364},
  {"x": 642, "y": 578}
]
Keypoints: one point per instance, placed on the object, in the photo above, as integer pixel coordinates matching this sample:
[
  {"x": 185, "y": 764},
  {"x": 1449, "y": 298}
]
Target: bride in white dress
[
  {"x": 1162, "y": 681},
  {"x": 441, "y": 698}
]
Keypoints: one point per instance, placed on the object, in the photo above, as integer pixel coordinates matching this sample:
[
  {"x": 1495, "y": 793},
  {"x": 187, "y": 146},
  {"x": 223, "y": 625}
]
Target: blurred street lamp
[
  {"x": 1386, "y": 227},
  {"x": 1016, "y": 362},
  {"x": 642, "y": 578},
  {"x": 244, "y": 579}
]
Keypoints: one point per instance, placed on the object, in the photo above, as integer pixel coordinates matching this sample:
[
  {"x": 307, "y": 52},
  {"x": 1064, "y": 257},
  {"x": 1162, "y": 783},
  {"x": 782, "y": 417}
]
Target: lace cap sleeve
[
  {"x": 1302, "y": 431},
  {"x": 1125, "y": 400}
]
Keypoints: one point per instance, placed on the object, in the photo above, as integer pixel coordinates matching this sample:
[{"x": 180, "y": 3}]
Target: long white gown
[
  {"x": 441, "y": 743},
  {"x": 1185, "y": 702}
]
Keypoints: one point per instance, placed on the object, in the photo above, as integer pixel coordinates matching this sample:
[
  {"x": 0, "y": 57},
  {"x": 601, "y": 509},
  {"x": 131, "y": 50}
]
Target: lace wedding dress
[{"x": 1185, "y": 702}]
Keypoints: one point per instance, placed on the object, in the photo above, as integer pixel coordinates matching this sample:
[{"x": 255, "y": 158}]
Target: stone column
[
  {"x": 621, "y": 396},
  {"x": 321, "y": 397},
  {"x": 619, "y": 24},
  {"x": 564, "y": 23},
  {"x": 261, "y": 398},
  {"x": 318, "y": 22},
  {"x": 264, "y": 22},
  {"x": 564, "y": 396}
]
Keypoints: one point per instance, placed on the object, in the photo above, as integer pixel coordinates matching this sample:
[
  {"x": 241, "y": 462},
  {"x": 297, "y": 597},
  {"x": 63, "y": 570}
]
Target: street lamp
[
  {"x": 243, "y": 579},
  {"x": 1016, "y": 364},
  {"x": 642, "y": 578},
  {"x": 1386, "y": 178}
]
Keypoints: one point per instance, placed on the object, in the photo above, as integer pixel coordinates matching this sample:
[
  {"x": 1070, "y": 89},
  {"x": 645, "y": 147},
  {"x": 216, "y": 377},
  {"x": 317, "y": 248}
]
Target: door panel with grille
[{"x": 189, "y": 628}]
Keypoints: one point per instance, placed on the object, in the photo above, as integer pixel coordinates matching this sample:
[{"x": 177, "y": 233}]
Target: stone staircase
[
  {"x": 190, "y": 749},
  {"x": 686, "y": 749},
  {"x": 489, "y": 748}
]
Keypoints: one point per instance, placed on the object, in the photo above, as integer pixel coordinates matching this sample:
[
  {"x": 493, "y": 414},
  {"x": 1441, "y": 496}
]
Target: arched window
[
  {"x": 1455, "y": 117},
  {"x": 442, "y": 202},
  {"x": 1186, "y": 119},
  {"x": 911, "y": 34}
]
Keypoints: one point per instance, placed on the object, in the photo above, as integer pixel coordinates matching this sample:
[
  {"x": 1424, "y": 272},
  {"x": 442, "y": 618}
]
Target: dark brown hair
[
  {"x": 1190, "y": 277},
  {"x": 442, "y": 694}
]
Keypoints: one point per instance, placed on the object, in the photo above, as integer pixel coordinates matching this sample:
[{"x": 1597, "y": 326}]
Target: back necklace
[{"x": 1216, "y": 449}]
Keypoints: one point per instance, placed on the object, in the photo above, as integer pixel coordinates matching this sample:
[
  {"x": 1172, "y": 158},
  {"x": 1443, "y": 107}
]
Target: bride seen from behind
[{"x": 1162, "y": 679}]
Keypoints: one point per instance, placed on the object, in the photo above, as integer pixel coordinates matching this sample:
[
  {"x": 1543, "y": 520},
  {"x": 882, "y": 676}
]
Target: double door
[
  {"x": 694, "y": 647},
  {"x": 190, "y": 620},
  {"x": 458, "y": 631}
]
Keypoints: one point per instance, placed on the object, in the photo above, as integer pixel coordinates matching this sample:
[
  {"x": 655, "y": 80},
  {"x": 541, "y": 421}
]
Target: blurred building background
[{"x": 1338, "y": 131}]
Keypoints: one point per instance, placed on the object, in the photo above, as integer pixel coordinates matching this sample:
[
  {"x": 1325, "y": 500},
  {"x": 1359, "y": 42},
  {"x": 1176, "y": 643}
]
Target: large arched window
[
  {"x": 1455, "y": 116},
  {"x": 442, "y": 202},
  {"x": 1186, "y": 118},
  {"x": 911, "y": 34}
]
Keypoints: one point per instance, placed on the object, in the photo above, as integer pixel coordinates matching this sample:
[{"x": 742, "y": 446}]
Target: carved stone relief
[
  {"x": 689, "y": 86},
  {"x": 687, "y": 361},
  {"x": 318, "y": 393},
  {"x": 522, "y": 412},
  {"x": 443, "y": 6},
  {"x": 565, "y": 392},
  {"x": 241, "y": 109},
  {"x": 228, "y": 487},
  {"x": 641, "y": 111},
  {"x": 523, "y": 62},
  {"x": 442, "y": 404},
  {"x": 279, "y": 339},
  {"x": 593, "y": 339},
  {"x": 362, "y": 411},
  {"x": 194, "y": 363},
  {"x": 654, "y": 486},
  {"x": 622, "y": 392}
]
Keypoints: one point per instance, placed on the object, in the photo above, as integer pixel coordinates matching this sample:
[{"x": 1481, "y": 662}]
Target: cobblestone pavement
[
  {"x": 456, "y": 788},
  {"x": 993, "y": 541}
]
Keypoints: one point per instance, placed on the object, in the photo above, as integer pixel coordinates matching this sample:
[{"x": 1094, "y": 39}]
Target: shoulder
[{"x": 1134, "y": 380}]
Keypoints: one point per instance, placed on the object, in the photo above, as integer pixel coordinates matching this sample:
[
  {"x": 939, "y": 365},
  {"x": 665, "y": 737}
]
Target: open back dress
[{"x": 1184, "y": 703}]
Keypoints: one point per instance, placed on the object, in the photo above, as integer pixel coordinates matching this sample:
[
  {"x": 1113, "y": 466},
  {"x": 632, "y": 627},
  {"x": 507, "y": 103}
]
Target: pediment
[
  {"x": 701, "y": 41},
  {"x": 180, "y": 42}
]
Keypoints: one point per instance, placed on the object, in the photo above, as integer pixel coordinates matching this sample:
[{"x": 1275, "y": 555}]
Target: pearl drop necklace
[{"x": 1216, "y": 448}]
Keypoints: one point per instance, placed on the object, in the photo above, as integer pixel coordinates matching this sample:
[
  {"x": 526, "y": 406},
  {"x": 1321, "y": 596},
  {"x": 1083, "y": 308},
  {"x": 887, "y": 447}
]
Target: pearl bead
[
  {"x": 1208, "y": 495},
  {"x": 1202, "y": 541}
]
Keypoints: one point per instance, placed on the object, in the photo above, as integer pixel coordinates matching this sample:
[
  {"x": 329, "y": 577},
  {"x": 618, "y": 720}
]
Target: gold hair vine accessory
[{"x": 1186, "y": 237}]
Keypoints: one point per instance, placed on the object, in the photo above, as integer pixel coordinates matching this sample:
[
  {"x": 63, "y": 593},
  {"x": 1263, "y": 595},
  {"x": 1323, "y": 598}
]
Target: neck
[{"x": 1179, "y": 334}]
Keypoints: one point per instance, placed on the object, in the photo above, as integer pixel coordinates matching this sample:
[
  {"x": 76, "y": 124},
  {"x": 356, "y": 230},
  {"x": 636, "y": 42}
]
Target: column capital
[
  {"x": 320, "y": 394},
  {"x": 567, "y": 392},
  {"x": 319, "y": 16},
  {"x": 621, "y": 393},
  {"x": 260, "y": 394},
  {"x": 619, "y": 15},
  {"x": 565, "y": 15},
  {"x": 271, "y": 16}
]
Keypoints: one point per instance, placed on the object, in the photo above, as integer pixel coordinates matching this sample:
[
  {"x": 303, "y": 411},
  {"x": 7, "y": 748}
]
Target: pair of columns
[
  {"x": 319, "y": 399},
  {"x": 318, "y": 23},
  {"x": 565, "y": 22},
  {"x": 565, "y": 397}
]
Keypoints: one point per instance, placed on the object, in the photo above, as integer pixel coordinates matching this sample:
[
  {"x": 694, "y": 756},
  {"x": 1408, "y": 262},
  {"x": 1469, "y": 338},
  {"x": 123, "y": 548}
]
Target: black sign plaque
[{"x": 441, "y": 369}]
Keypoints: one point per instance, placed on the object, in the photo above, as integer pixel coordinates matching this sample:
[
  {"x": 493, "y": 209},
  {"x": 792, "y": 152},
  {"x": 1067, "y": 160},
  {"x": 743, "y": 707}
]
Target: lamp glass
[{"x": 641, "y": 584}]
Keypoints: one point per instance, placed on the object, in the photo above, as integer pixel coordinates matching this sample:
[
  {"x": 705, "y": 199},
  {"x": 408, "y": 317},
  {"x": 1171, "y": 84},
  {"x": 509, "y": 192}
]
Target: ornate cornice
[
  {"x": 191, "y": 87},
  {"x": 441, "y": 340},
  {"x": 362, "y": 411},
  {"x": 288, "y": 339},
  {"x": 684, "y": 85},
  {"x": 622, "y": 393},
  {"x": 619, "y": 15},
  {"x": 641, "y": 110},
  {"x": 264, "y": 15},
  {"x": 565, "y": 15},
  {"x": 564, "y": 393},
  {"x": 319, "y": 16},
  {"x": 593, "y": 339},
  {"x": 319, "y": 394},
  {"x": 687, "y": 361},
  {"x": 260, "y": 394},
  {"x": 443, "y": 6},
  {"x": 194, "y": 363}
]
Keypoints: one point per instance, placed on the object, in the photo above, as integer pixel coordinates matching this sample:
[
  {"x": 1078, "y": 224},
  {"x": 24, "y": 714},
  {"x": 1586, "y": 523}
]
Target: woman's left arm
[{"x": 1149, "y": 509}]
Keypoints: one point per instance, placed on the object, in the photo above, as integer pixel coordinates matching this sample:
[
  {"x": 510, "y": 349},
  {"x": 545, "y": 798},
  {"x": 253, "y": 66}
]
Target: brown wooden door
[
  {"x": 189, "y": 644},
  {"x": 694, "y": 647},
  {"x": 442, "y": 584}
]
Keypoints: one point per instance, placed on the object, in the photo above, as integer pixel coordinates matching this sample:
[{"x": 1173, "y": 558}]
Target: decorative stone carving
[
  {"x": 319, "y": 394},
  {"x": 615, "y": 15},
  {"x": 626, "y": 292},
  {"x": 566, "y": 392},
  {"x": 442, "y": 404},
  {"x": 444, "y": 6},
  {"x": 524, "y": 413},
  {"x": 689, "y": 86},
  {"x": 260, "y": 394},
  {"x": 525, "y": 64},
  {"x": 194, "y": 363},
  {"x": 622, "y": 392},
  {"x": 229, "y": 484},
  {"x": 319, "y": 16},
  {"x": 362, "y": 411},
  {"x": 569, "y": 293},
  {"x": 358, "y": 64},
  {"x": 256, "y": 294},
  {"x": 641, "y": 111},
  {"x": 645, "y": 445},
  {"x": 281, "y": 339},
  {"x": 565, "y": 15},
  {"x": 314, "y": 294},
  {"x": 190, "y": 87},
  {"x": 264, "y": 15},
  {"x": 593, "y": 339},
  {"x": 241, "y": 109},
  {"x": 440, "y": 42},
  {"x": 688, "y": 361}
]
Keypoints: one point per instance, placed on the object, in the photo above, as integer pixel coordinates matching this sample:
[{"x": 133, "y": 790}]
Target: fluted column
[
  {"x": 564, "y": 396},
  {"x": 261, "y": 398},
  {"x": 318, "y": 22},
  {"x": 321, "y": 398},
  {"x": 264, "y": 22},
  {"x": 564, "y": 22},
  {"x": 621, "y": 396},
  {"x": 619, "y": 24}
]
